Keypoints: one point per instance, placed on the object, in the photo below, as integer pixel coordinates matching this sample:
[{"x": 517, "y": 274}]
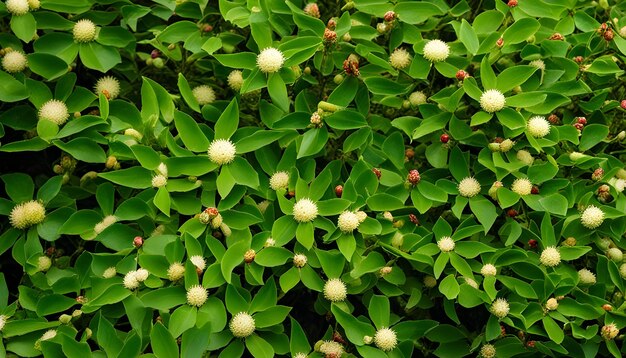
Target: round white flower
[
  {"x": 159, "y": 181},
  {"x": 280, "y": 180},
  {"x": 615, "y": 254},
  {"x": 348, "y": 221},
  {"x": 500, "y": 307},
  {"x": 506, "y": 145},
  {"x": 538, "y": 63},
  {"x": 204, "y": 94},
  {"x": 525, "y": 157},
  {"x": 436, "y": 50},
  {"x": 130, "y": 280},
  {"x": 17, "y": 7},
  {"x": 400, "y": 58},
  {"x": 469, "y": 187},
  {"x": 538, "y": 126},
  {"x": 14, "y": 61},
  {"x": 492, "y": 101},
  {"x": 108, "y": 85},
  {"x": 609, "y": 331},
  {"x": 488, "y": 351},
  {"x": 331, "y": 349},
  {"x": 242, "y": 325},
  {"x": 304, "y": 210},
  {"x": 109, "y": 272},
  {"x": 54, "y": 111},
  {"x": 105, "y": 223},
  {"x": 34, "y": 4},
  {"x": 386, "y": 339},
  {"x": 84, "y": 31},
  {"x": 335, "y": 290},
  {"x": 361, "y": 215},
  {"x": 235, "y": 80},
  {"x": 142, "y": 274},
  {"x": 198, "y": 261},
  {"x": 552, "y": 304},
  {"x": 176, "y": 271},
  {"x": 592, "y": 217},
  {"x": 522, "y": 186},
  {"x": 446, "y": 244},
  {"x": 619, "y": 185},
  {"x": 197, "y": 295},
  {"x": 299, "y": 260},
  {"x": 270, "y": 60},
  {"x": 416, "y": 98},
  {"x": 586, "y": 277},
  {"x": 488, "y": 270},
  {"x": 222, "y": 151},
  {"x": 550, "y": 256},
  {"x": 27, "y": 214}
]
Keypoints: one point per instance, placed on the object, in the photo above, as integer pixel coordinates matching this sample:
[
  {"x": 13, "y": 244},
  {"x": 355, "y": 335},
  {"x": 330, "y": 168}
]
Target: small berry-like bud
[
  {"x": 586, "y": 277},
  {"x": 609, "y": 35},
  {"x": 385, "y": 270},
  {"x": 339, "y": 191},
  {"x": 532, "y": 243},
  {"x": 390, "y": 16},
  {"x": 512, "y": 3},
  {"x": 368, "y": 339},
  {"x": 609, "y": 331},
  {"x": 377, "y": 172},
  {"x": 500, "y": 42},
  {"x": 461, "y": 75},
  {"x": 138, "y": 241},
  {"x": 570, "y": 241},
  {"x": 607, "y": 307},
  {"x": 552, "y": 304},
  {"x": 430, "y": 281},
  {"x": 414, "y": 219},
  {"x": 43, "y": 263},
  {"x": 512, "y": 213},
  {"x": 413, "y": 177},
  {"x": 615, "y": 254},
  {"x": 249, "y": 256}
]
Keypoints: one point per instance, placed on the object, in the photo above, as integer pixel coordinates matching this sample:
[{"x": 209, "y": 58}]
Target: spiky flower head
[
  {"x": 43, "y": 263},
  {"x": 299, "y": 260},
  {"x": 300, "y": 355},
  {"x": 525, "y": 157},
  {"x": 304, "y": 210},
  {"x": 34, "y": 4},
  {"x": 280, "y": 180},
  {"x": 17, "y": 7},
  {"x": 142, "y": 274},
  {"x": 592, "y": 217},
  {"x": 84, "y": 31},
  {"x": 487, "y": 351},
  {"x": 552, "y": 304},
  {"x": 109, "y": 86},
  {"x": 348, "y": 221},
  {"x": 446, "y": 244},
  {"x": 615, "y": 254},
  {"x": 488, "y": 270},
  {"x": 49, "y": 334},
  {"x": 492, "y": 101},
  {"x": 110, "y": 272},
  {"x": 609, "y": 331},
  {"x": 27, "y": 214},
  {"x": 130, "y": 280},
  {"x": 469, "y": 187},
  {"x": 586, "y": 277},
  {"x": 270, "y": 60},
  {"x": 235, "y": 80},
  {"x": 203, "y": 94},
  {"x": 335, "y": 290},
  {"x": 105, "y": 223},
  {"x": 242, "y": 325},
  {"x": 550, "y": 256},
  {"x": 14, "y": 61},
  {"x": 197, "y": 295},
  {"x": 416, "y": 98},
  {"x": 400, "y": 58},
  {"x": 159, "y": 181},
  {"x": 331, "y": 349},
  {"x": 54, "y": 111},
  {"x": 538, "y": 63},
  {"x": 176, "y": 271},
  {"x": 436, "y": 50},
  {"x": 522, "y": 186},
  {"x": 500, "y": 307},
  {"x": 386, "y": 339},
  {"x": 198, "y": 261},
  {"x": 222, "y": 151},
  {"x": 538, "y": 126},
  {"x": 506, "y": 145}
]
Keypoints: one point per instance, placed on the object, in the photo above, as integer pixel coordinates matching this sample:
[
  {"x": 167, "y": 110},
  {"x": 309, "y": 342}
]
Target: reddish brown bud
[
  {"x": 413, "y": 177},
  {"x": 291, "y": 194},
  {"x": 339, "y": 190},
  {"x": 597, "y": 174},
  {"x": 213, "y": 212},
  {"x": 331, "y": 24},
  {"x": 330, "y": 35},
  {"x": 461, "y": 75},
  {"x": 338, "y": 338},
  {"x": 607, "y": 307},
  {"x": 409, "y": 153},
  {"x": 579, "y": 126},
  {"x": 50, "y": 251},
  {"x": 532, "y": 243},
  {"x": 530, "y": 344},
  {"x": 414, "y": 219},
  {"x": 557, "y": 36},
  {"x": 623, "y": 104},
  {"x": 444, "y": 138},
  {"x": 390, "y": 16},
  {"x": 578, "y": 59},
  {"x": 498, "y": 140},
  {"x": 608, "y": 35},
  {"x": 377, "y": 172},
  {"x": 500, "y": 42},
  {"x": 553, "y": 118},
  {"x": 512, "y": 3},
  {"x": 207, "y": 28},
  {"x": 534, "y": 190},
  {"x": 249, "y": 256},
  {"x": 512, "y": 213},
  {"x": 155, "y": 53},
  {"x": 138, "y": 241},
  {"x": 581, "y": 120}
]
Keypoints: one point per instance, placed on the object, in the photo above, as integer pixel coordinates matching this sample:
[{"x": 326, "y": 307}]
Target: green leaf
[
  {"x": 384, "y": 202},
  {"x": 513, "y": 77},
  {"x": 24, "y": 26},
  {"x": 278, "y": 91},
  {"x": 484, "y": 211},
  {"x": 162, "y": 201},
  {"x": 244, "y": 173},
  {"x": 227, "y": 124},
  {"x": 190, "y": 133},
  {"x": 552, "y": 328},
  {"x": 416, "y": 12},
  {"x": 11, "y": 90},
  {"x": 187, "y": 93},
  {"x": 313, "y": 141},
  {"x": 232, "y": 258},
  {"x": 379, "y": 311},
  {"x": 47, "y": 66},
  {"x": 468, "y": 37},
  {"x": 182, "y": 319},
  {"x": 83, "y": 149},
  {"x": 258, "y": 347},
  {"x": 449, "y": 287},
  {"x": 520, "y": 31},
  {"x": 592, "y": 134},
  {"x": 354, "y": 328},
  {"x": 162, "y": 342},
  {"x": 134, "y": 177},
  {"x": 98, "y": 57},
  {"x": 299, "y": 341},
  {"x": 346, "y": 119}
]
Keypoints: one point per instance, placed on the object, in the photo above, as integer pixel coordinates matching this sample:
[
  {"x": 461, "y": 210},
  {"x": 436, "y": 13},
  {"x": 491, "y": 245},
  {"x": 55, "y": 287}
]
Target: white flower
[
  {"x": 335, "y": 290},
  {"x": 506, "y": 145},
  {"x": 331, "y": 349},
  {"x": 299, "y": 260},
  {"x": 525, "y": 157},
  {"x": 348, "y": 221},
  {"x": 176, "y": 271},
  {"x": 416, "y": 98},
  {"x": 488, "y": 351},
  {"x": 197, "y": 295},
  {"x": 615, "y": 254},
  {"x": 488, "y": 270},
  {"x": 622, "y": 270},
  {"x": 446, "y": 244},
  {"x": 34, "y": 4},
  {"x": 436, "y": 50},
  {"x": 14, "y": 61},
  {"x": 300, "y": 355},
  {"x": 368, "y": 339},
  {"x": 108, "y": 85},
  {"x": 269, "y": 242},
  {"x": 217, "y": 221},
  {"x": 400, "y": 59},
  {"x": 538, "y": 126},
  {"x": 469, "y": 187},
  {"x": 17, "y": 7},
  {"x": 54, "y": 111},
  {"x": 242, "y": 325},
  {"x": 538, "y": 63},
  {"x": 586, "y": 277},
  {"x": 235, "y": 80},
  {"x": 492, "y": 100},
  {"x": 280, "y": 180},
  {"x": 159, "y": 181},
  {"x": 84, "y": 31},
  {"x": 43, "y": 263},
  {"x": 198, "y": 261},
  {"x": 592, "y": 217},
  {"x": 522, "y": 186},
  {"x": 142, "y": 274},
  {"x": 133, "y": 133},
  {"x": 3, "y": 321},
  {"x": 109, "y": 272},
  {"x": 204, "y": 94},
  {"x": 222, "y": 151},
  {"x": 552, "y": 304},
  {"x": 500, "y": 307},
  {"x": 162, "y": 169},
  {"x": 471, "y": 282},
  {"x": 105, "y": 223},
  {"x": 386, "y": 339},
  {"x": 619, "y": 185},
  {"x": 304, "y": 210},
  {"x": 130, "y": 280},
  {"x": 270, "y": 60},
  {"x": 609, "y": 331},
  {"x": 550, "y": 256},
  {"x": 27, "y": 214}
]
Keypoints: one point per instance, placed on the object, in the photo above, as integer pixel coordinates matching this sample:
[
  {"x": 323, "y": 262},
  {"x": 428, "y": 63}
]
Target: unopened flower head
[
  {"x": 552, "y": 304},
  {"x": 176, "y": 271},
  {"x": 487, "y": 351},
  {"x": 130, "y": 280},
  {"x": 159, "y": 181},
  {"x": 331, "y": 349},
  {"x": 488, "y": 270},
  {"x": 269, "y": 242},
  {"x": 49, "y": 334},
  {"x": 436, "y": 50},
  {"x": 348, "y": 221},
  {"x": 198, "y": 261},
  {"x": 550, "y": 256},
  {"x": 500, "y": 307},
  {"x": 242, "y": 325},
  {"x": 270, "y": 60},
  {"x": 84, "y": 31},
  {"x": 197, "y": 295},
  {"x": 586, "y": 277},
  {"x": 538, "y": 126},
  {"x": 470, "y": 281},
  {"x": 522, "y": 186},
  {"x": 622, "y": 270},
  {"x": 204, "y": 94},
  {"x": 14, "y": 61},
  {"x": 615, "y": 254},
  {"x": 304, "y": 210},
  {"x": 222, "y": 151},
  {"x": 430, "y": 281},
  {"x": 525, "y": 157},
  {"x": 54, "y": 111},
  {"x": 400, "y": 58},
  {"x": 506, "y": 145},
  {"x": 34, "y": 4},
  {"x": 335, "y": 290},
  {"x": 446, "y": 244},
  {"x": 416, "y": 98},
  {"x": 17, "y": 7},
  {"x": 386, "y": 339},
  {"x": 142, "y": 274},
  {"x": 133, "y": 133},
  {"x": 105, "y": 223},
  {"x": 109, "y": 272},
  {"x": 538, "y": 63},
  {"x": 109, "y": 86},
  {"x": 27, "y": 214},
  {"x": 469, "y": 187},
  {"x": 299, "y": 260},
  {"x": 492, "y": 101},
  {"x": 609, "y": 331},
  {"x": 235, "y": 80},
  {"x": 300, "y": 355},
  {"x": 3, "y": 321},
  {"x": 592, "y": 217},
  {"x": 280, "y": 180}
]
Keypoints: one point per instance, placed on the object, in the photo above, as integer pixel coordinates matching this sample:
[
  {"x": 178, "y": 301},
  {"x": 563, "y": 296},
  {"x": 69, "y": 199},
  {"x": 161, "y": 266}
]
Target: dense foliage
[{"x": 368, "y": 178}]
